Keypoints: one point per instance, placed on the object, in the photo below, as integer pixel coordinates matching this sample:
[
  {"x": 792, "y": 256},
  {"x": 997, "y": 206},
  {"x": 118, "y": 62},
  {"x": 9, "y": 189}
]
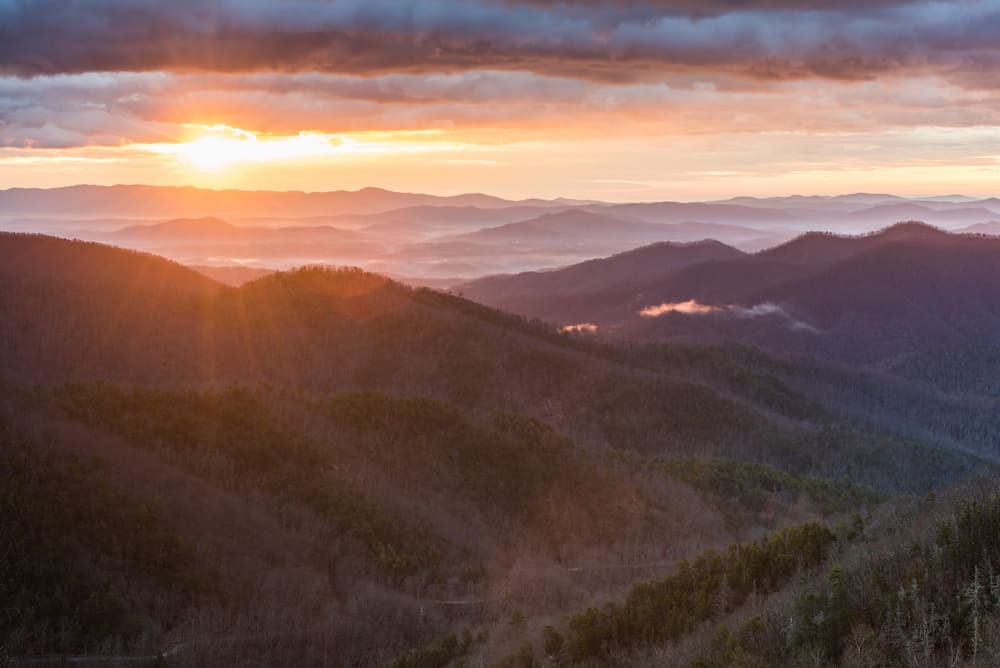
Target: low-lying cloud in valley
[
  {"x": 690, "y": 307},
  {"x": 583, "y": 327},
  {"x": 762, "y": 310}
]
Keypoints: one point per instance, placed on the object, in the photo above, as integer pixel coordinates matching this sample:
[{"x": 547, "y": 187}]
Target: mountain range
[
  {"x": 614, "y": 460},
  {"x": 880, "y": 300},
  {"x": 443, "y": 240}
]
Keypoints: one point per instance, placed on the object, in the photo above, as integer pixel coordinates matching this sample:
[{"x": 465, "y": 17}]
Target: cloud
[
  {"x": 751, "y": 89},
  {"x": 767, "y": 309},
  {"x": 496, "y": 106},
  {"x": 762, "y": 310},
  {"x": 600, "y": 41},
  {"x": 583, "y": 327},
  {"x": 690, "y": 307},
  {"x": 758, "y": 311}
]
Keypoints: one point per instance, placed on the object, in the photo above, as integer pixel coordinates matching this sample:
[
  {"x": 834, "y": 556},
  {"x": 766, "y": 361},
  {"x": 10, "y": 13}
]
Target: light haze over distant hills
[{"x": 444, "y": 239}]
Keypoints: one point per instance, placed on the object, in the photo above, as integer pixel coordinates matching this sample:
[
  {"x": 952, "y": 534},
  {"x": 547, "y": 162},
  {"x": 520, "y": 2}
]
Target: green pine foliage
[
  {"x": 237, "y": 425},
  {"x": 438, "y": 654},
  {"x": 663, "y": 610},
  {"x": 927, "y": 602},
  {"x": 744, "y": 488},
  {"x": 512, "y": 468},
  {"x": 81, "y": 560}
]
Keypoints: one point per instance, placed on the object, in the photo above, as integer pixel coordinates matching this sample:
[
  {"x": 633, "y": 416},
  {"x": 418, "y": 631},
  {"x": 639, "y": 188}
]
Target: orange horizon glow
[
  {"x": 212, "y": 148},
  {"x": 630, "y": 100},
  {"x": 684, "y": 168},
  {"x": 515, "y": 136}
]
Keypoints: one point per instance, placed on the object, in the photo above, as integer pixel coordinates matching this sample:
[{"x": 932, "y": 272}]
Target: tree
[{"x": 552, "y": 642}]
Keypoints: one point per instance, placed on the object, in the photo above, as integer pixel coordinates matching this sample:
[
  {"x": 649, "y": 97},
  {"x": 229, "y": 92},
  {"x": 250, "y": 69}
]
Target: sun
[{"x": 215, "y": 147}]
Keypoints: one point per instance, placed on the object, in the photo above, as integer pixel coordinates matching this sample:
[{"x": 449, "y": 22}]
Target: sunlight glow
[{"x": 215, "y": 147}]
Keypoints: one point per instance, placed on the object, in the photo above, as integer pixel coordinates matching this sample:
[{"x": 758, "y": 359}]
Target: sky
[{"x": 613, "y": 99}]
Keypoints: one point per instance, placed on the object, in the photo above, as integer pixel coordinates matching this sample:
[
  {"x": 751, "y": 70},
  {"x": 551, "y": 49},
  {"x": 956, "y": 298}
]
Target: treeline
[
  {"x": 930, "y": 600},
  {"x": 438, "y": 654},
  {"x": 713, "y": 584}
]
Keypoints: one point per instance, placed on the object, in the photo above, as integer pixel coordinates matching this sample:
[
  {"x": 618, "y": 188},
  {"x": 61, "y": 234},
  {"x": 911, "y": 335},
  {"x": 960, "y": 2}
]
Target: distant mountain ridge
[
  {"x": 442, "y": 240},
  {"x": 179, "y": 227},
  {"x": 191, "y": 202},
  {"x": 869, "y": 299},
  {"x": 142, "y": 201}
]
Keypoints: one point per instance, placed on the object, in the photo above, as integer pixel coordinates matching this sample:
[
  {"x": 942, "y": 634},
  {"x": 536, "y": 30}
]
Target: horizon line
[{"x": 544, "y": 198}]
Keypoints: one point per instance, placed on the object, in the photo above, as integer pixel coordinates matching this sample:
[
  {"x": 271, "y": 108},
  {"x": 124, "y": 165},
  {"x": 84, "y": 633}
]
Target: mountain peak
[
  {"x": 910, "y": 229},
  {"x": 825, "y": 247}
]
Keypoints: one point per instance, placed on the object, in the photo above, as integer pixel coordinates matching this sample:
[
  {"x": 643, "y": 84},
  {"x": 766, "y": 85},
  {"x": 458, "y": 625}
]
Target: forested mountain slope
[
  {"x": 112, "y": 315},
  {"x": 539, "y": 294},
  {"x": 328, "y": 458},
  {"x": 884, "y": 300}
]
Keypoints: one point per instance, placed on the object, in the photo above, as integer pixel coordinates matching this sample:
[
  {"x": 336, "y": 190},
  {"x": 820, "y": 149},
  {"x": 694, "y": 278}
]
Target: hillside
[
  {"x": 908, "y": 585},
  {"x": 529, "y": 292},
  {"x": 818, "y": 248},
  {"x": 331, "y": 445},
  {"x": 884, "y": 299},
  {"x": 315, "y": 329},
  {"x": 878, "y": 299}
]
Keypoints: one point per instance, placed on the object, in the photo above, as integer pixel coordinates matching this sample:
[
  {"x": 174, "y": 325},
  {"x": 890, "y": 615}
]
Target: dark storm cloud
[{"x": 595, "y": 40}]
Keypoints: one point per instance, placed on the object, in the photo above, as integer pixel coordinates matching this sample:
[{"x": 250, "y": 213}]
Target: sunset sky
[{"x": 616, "y": 100}]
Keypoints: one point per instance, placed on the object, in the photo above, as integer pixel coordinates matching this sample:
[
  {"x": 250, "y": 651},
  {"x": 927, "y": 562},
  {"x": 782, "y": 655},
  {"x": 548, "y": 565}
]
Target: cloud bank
[
  {"x": 600, "y": 41},
  {"x": 704, "y": 90}
]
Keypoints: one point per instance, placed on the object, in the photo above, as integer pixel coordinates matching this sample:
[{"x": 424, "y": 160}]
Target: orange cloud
[{"x": 690, "y": 307}]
